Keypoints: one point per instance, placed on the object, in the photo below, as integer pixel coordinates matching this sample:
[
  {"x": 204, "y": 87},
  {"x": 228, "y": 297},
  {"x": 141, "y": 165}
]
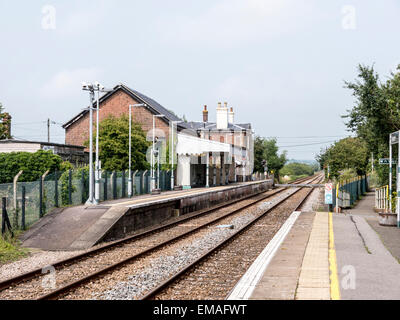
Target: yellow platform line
[{"x": 335, "y": 290}]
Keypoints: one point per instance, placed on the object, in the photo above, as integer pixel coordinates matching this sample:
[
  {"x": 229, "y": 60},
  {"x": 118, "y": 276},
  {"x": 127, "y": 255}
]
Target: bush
[
  {"x": 298, "y": 169},
  {"x": 64, "y": 179},
  {"x": 33, "y": 165}
]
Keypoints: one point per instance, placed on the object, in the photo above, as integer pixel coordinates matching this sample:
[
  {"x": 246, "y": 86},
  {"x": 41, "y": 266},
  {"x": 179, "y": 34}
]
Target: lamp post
[
  {"x": 172, "y": 154},
  {"x": 130, "y": 188},
  {"x": 152, "y": 150},
  {"x": 99, "y": 88},
  {"x": 89, "y": 87}
]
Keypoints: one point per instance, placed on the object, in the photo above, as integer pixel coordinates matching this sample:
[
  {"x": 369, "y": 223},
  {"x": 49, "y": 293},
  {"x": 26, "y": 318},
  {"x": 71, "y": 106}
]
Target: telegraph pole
[{"x": 48, "y": 130}]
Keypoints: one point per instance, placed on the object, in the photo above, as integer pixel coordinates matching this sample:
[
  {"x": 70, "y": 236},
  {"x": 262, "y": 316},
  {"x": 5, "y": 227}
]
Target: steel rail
[
  {"x": 62, "y": 290},
  {"x": 5, "y": 284},
  {"x": 171, "y": 279}
]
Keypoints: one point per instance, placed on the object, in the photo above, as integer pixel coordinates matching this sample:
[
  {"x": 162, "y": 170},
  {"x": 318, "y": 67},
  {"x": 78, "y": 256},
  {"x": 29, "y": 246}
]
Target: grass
[{"x": 10, "y": 249}]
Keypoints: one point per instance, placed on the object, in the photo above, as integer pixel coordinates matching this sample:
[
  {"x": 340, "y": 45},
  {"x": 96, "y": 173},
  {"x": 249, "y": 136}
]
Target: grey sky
[{"x": 280, "y": 64}]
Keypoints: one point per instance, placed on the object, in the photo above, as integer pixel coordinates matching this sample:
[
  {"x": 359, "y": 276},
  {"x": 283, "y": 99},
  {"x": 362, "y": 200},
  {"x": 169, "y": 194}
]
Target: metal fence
[
  {"x": 29, "y": 201},
  {"x": 349, "y": 191}
]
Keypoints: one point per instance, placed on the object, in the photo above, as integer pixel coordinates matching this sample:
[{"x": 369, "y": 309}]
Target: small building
[{"x": 74, "y": 154}]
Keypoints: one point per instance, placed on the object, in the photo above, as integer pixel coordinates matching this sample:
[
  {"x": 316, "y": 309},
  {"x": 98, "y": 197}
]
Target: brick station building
[
  {"x": 116, "y": 103},
  {"x": 237, "y": 138}
]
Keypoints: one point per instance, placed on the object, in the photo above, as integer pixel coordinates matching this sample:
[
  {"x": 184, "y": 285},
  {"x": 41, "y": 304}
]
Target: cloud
[
  {"x": 231, "y": 23},
  {"x": 68, "y": 82}
]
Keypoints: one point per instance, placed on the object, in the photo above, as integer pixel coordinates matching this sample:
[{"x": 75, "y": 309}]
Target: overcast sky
[{"x": 280, "y": 64}]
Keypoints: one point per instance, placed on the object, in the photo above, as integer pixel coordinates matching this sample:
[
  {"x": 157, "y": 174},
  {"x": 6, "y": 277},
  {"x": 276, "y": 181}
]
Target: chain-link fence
[{"x": 31, "y": 200}]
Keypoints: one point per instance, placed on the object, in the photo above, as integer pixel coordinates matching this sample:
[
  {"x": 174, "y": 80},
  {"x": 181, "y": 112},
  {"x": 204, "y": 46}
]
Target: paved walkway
[
  {"x": 366, "y": 268},
  {"x": 330, "y": 256}
]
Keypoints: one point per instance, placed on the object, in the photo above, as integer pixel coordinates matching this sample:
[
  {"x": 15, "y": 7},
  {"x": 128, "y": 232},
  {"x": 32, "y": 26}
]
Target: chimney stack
[
  {"x": 222, "y": 116},
  {"x": 231, "y": 116},
  {"x": 205, "y": 114}
]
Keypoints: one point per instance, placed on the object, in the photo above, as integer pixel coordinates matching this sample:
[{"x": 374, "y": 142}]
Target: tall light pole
[
  {"x": 89, "y": 87},
  {"x": 152, "y": 150},
  {"x": 99, "y": 88},
  {"x": 130, "y": 188},
  {"x": 172, "y": 153}
]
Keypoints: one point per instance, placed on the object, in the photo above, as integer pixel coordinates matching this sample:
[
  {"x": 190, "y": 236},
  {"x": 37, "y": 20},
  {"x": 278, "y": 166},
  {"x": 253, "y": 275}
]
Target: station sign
[
  {"x": 394, "y": 137},
  {"x": 386, "y": 161},
  {"x": 328, "y": 193}
]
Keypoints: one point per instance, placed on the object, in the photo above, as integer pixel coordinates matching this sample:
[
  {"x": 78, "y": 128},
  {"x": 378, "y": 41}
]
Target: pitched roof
[
  {"x": 153, "y": 105},
  {"x": 195, "y": 125}
]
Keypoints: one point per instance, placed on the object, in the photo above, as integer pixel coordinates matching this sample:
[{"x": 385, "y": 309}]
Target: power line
[
  {"x": 306, "y": 137},
  {"x": 306, "y": 144}
]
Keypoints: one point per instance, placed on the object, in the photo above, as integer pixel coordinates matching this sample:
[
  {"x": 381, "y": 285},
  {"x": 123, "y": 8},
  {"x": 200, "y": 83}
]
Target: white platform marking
[{"x": 246, "y": 285}]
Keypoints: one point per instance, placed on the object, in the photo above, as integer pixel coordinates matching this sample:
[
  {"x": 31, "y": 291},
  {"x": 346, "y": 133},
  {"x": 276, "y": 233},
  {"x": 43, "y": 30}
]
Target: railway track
[
  {"x": 214, "y": 274},
  {"x": 90, "y": 265}
]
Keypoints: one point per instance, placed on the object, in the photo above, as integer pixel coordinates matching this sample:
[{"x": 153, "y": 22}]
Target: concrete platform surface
[
  {"x": 280, "y": 279},
  {"x": 366, "y": 266},
  {"x": 351, "y": 257}
]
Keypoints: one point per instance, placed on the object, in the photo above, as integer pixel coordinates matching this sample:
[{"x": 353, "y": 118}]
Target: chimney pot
[
  {"x": 226, "y": 104},
  {"x": 219, "y": 104},
  {"x": 231, "y": 116},
  {"x": 205, "y": 114}
]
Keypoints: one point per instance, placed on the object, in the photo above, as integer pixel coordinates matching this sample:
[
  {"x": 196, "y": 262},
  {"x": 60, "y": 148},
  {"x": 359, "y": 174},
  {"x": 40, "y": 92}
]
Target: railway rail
[
  {"x": 184, "y": 283},
  {"x": 111, "y": 256}
]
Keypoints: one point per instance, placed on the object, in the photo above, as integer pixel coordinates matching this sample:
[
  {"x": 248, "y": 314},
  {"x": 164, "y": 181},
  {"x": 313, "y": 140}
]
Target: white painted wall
[{"x": 19, "y": 146}]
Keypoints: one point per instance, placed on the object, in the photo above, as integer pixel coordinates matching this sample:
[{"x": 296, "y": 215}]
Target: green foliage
[
  {"x": 266, "y": 149},
  {"x": 10, "y": 248},
  {"x": 64, "y": 180},
  {"x": 297, "y": 169},
  {"x": 114, "y": 145},
  {"x": 376, "y": 113},
  {"x": 347, "y": 174},
  {"x": 167, "y": 165},
  {"x": 33, "y": 165},
  {"x": 347, "y": 153},
  {"x": 5, "y": 125}
]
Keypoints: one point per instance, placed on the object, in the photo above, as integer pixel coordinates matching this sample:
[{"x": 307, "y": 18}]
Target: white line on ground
[{"x": 246, "y": 285}]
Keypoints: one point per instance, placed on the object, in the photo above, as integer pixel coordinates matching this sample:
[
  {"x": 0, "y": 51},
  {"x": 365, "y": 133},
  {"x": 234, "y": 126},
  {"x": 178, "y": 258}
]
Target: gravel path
[{"x": 37, "y": 259}]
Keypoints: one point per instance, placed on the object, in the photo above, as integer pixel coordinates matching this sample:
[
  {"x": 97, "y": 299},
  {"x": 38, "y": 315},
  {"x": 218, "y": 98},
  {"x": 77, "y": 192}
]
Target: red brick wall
[{"x": 117, "y": 105}]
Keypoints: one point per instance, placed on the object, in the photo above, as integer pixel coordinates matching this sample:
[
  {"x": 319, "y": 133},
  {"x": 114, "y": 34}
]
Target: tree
[
  {"x": 266, "y": 149},
  {"x": 376, "y": 112},
  {"x": 347, "y": 153},
  {"x": 5, "y": 124},
  {"x": 114, "y": 144}
]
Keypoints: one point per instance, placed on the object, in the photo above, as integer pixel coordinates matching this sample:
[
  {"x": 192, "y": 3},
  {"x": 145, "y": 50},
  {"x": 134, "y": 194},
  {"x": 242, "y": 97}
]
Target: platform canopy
[{"x": 190, "y": 145}]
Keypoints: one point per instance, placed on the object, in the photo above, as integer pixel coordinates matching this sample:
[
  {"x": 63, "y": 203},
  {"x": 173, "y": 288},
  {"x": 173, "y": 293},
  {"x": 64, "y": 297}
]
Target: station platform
[
  {"x": 81, "y": 227},
  {"x": 327, "y": 256}
]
